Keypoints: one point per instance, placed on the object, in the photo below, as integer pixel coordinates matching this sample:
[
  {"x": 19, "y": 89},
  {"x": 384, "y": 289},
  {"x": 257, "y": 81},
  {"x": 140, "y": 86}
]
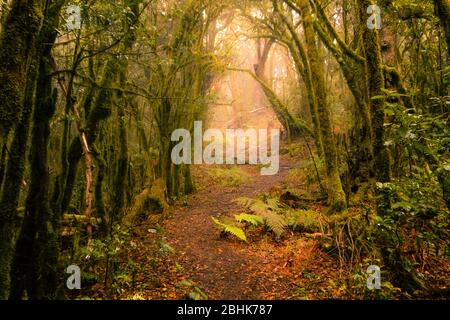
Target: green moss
[
  {"x": 13, "y": 179},
  {"x": 336, "y": 195},
  {"x": 19, "y": 34}
]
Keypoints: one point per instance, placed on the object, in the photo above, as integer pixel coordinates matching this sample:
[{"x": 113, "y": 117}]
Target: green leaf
[
  {"x": 275, "y": 222},
  {"x": 250, "y": 218},
  {"x": 198, "y": 294},
  {"x": 402, "y": 205},
  {"x": 244, "y": 201},
  {"x": 228, "y": 228}
]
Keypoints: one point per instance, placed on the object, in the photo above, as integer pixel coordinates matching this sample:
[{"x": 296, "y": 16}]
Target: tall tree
[
  {"x": 336, "y": 193},
  {"x": 18, "y": 73},
  {"x": 375, "y": 83},
  {"x": 17, "y": 41},
  {"x": 34, "y": 268}
]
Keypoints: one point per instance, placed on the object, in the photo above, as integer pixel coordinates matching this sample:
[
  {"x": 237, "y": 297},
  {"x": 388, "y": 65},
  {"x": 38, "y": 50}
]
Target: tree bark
[
  {"x": 375, "y": 82},
  {"x": 35, "y": 261},
  {"x": 443, "y": 12},
  {"x": 17, "y": 42},
  {"x": 9, "y": 219},
  {"x": 336, "y": 195}
]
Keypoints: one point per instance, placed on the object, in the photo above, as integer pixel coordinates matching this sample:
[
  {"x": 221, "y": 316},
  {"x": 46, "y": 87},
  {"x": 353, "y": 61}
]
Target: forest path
[{"x": 228, "y": 268}]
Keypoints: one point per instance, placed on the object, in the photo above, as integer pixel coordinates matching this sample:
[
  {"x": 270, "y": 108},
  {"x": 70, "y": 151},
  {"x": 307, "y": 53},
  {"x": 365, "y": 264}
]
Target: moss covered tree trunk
[
  {"x": 98, "y": 193},
  {"x": 352, "y": 66},
  {"x": 122, "y": 166},
  {"x": 375, "y": 84},
  {"x": 394, "y": 260},
  {"x": 292, "y": 125},
  {"x": 34, "y": 267},
  {"x": 101, "y": 110},
  {"x": 303, "y": 67},
  {"x": 122, "y": 163},
  {"x": 3, "y": 163},
  {"x": 189, "y": 186},
  {"x": 336, "y": 195},
  {"x": 17, "y": 41},
  {"x": 15, "y": 169}
]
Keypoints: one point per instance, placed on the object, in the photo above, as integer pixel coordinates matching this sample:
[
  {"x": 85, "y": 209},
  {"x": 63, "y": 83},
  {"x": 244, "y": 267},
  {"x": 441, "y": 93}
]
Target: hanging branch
[{"x": 279, "y": 107}]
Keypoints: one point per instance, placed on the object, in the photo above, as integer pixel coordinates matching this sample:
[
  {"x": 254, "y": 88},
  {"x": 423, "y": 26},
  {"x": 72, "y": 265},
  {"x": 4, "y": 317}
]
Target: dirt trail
[{"x": 224, "y": 268}]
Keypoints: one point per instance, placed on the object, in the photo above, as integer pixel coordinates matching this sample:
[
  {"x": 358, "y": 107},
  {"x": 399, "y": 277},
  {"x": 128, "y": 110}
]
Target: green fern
[
  {"x": 269, "y": 209},
  {"x": 273, "y": 204},
  {"x": 271, "y": 212},
  {"x": 259, "y": 206},
  {"x": 250, "y": 218},
  {"x": 274, "y": 221},
  {"x": 244, "y": 201},
  {"x": 265, "y": 204},
  {"x": 228, "y": 228}
]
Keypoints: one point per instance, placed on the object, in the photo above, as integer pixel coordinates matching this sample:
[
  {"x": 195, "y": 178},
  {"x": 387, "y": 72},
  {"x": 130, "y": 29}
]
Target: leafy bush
[
  {"x": 415, "y": 219},
  {"x": 357, "y": 283},
  {"x": 293, "y": 149}
]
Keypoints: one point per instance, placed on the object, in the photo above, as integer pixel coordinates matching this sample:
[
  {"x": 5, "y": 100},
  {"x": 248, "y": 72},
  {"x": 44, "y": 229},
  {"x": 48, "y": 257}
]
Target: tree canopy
[{"x": 91, "y": 93}]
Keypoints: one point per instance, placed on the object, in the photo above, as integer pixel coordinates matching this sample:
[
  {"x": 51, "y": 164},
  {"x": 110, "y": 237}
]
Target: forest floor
[
  {"x": 231, "y": 269},
  {"x": 195, "y": 258},
  {"x": 181, "y": 254}
]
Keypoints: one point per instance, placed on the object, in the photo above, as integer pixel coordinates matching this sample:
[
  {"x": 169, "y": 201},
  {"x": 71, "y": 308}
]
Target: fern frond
[
  {"x": 273, "y": 204},
  {"x": 244, "y": 201},
  {"x": 250, "y": 218},
  {"x": 259, "y": 207},
  {"x": 269, "y": 209},
  {"x": 275, "y": 222},
  {"x": 228, "y": 228}
]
